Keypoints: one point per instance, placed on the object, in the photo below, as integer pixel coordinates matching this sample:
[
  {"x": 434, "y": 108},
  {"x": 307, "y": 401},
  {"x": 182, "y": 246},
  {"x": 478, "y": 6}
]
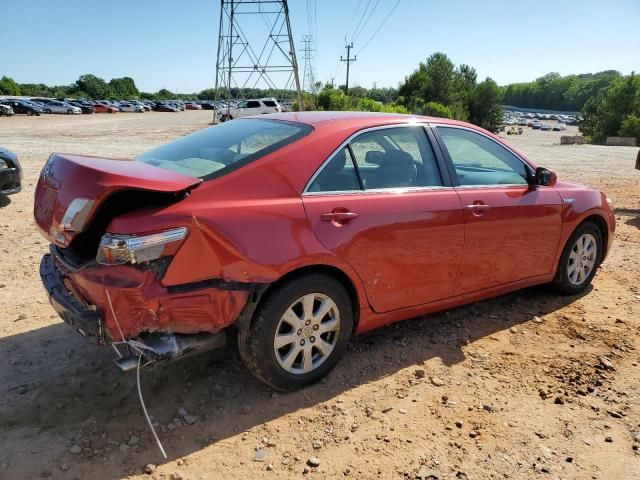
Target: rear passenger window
[
  {"x": 253, "y": 104},
  {"x": 338, "y": 175},
  {"x": 269, "y": 103},
  {"x": 395, "y": 157}
]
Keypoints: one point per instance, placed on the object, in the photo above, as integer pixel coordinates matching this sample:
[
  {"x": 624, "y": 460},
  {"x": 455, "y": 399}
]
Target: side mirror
[{"x": 545, "y": 177}]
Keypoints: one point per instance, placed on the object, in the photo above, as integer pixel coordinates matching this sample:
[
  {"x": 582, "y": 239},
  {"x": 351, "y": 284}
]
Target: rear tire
[
  {"x": 69, "y": 112},
  {"x": 299, "y": 332},
  {"x": 580, "y": 259}
]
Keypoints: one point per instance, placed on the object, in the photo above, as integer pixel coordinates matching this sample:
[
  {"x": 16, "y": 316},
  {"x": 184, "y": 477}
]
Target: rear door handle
[{"x": 338, "y": 217}]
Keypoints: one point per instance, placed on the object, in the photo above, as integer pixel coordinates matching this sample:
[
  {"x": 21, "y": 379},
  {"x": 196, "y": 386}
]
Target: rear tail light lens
[{"x": 120, "y": 249}]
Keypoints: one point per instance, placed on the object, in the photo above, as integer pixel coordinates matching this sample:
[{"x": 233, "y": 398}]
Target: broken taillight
[
  {"x": 120, "y": 249},
  {"x": 76, "y": 215}
]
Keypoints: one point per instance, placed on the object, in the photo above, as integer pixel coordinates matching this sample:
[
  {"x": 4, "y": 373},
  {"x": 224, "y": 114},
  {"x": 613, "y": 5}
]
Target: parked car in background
[
  {"x": 103, "y": 108},
  {"x": 165, "y": 107},
  {"x": 192, "y": 106},
  {"x": 382, "y": 221},
  {"x": 246, "y": 108},
  {"x": 86, "y": 109},
  {"x": 6, "y": 111},
  {"x": 285, "y": 105},
  {"x": 22, "y": 106},
  {"x": 144, "y": 106},
  {"x": 130, "y": 107},
  {"x": 56, "y": 106},
  {"x": 545, "y": 127},
  {"x": 10, "y": 172}
]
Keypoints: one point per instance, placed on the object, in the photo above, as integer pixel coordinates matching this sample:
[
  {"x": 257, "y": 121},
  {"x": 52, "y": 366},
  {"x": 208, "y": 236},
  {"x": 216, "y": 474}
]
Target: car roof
[
  {"x": 351, "y": 122},
  {"x": 358, "y": 119}
]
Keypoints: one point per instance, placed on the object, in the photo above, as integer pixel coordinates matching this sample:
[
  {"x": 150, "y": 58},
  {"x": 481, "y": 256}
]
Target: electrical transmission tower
[
  {"x": 349, "y": 61},
  {"x": 308, "y": 79},
  {"x": 255, "y": 54}
]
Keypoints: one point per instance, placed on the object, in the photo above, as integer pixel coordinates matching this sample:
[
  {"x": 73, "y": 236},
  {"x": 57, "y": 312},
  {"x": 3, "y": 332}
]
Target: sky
[{"x": 173, "y": 43}]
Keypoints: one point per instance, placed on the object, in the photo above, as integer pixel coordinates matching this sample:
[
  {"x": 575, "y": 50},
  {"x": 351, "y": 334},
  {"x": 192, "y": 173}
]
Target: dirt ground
[{"x": 527, "y": 385}]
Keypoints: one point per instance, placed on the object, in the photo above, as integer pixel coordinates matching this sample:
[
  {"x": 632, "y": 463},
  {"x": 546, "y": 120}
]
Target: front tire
[
  {"x": 580, "y": 259},
  {"x": 299, "y": 332}
]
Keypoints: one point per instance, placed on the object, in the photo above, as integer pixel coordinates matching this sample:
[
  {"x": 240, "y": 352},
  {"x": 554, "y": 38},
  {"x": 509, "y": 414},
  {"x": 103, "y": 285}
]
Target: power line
[
  {"x": 352, "y": 18},
  {"x": 366, "y": 22},
  {"x": 364, "y": 13},
  {"x": 379, "y": 27}
]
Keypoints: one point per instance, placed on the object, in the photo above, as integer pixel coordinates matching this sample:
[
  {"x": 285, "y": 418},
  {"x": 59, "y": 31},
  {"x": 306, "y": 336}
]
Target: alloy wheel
[
  {"x": 582, "y": 259},
  {"x": 307, "y": 333}
]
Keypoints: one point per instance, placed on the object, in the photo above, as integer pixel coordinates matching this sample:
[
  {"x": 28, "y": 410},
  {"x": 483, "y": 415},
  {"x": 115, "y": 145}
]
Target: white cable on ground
[
  {"x": 144, "y": 409},
  {"x": 114, "y": 315},
  {"x": 139, "y": 347}
]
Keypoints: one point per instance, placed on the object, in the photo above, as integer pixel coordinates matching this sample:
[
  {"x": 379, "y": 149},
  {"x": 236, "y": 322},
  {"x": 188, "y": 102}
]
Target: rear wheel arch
[{"x": 323, "y": 269}]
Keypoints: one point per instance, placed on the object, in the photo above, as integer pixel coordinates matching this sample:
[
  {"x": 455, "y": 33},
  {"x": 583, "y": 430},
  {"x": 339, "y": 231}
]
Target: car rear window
[
  {"x": 269, "y": 103},
  {"x": 218, "y": 150}
]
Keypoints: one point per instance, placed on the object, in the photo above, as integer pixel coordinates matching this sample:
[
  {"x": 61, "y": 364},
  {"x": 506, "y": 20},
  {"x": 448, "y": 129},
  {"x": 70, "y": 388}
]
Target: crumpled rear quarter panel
[{"x": 141, "y": 304}]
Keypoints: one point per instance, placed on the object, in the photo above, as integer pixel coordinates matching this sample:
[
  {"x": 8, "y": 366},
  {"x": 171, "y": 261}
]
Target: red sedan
[
  {"x": 301, "y": 229},
  {"x": 101, "y": 108}
]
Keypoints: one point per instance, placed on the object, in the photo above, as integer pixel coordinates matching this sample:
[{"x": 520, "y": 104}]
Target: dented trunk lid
[{"x": 66, "y": 178}]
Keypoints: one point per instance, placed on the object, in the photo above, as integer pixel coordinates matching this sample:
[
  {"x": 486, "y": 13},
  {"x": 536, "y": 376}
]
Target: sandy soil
[{"x": 523, "y": 386}]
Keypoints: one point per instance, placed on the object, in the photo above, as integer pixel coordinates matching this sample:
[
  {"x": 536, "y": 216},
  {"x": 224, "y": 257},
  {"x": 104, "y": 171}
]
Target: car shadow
[
  {"x": 5, "y": 200},
  {"x": 633, "y": 213},
  {"x": 58, "y": 391}
]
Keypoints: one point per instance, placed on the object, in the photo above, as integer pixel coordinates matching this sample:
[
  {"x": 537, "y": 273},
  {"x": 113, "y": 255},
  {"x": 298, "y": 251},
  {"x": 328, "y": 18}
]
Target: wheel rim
[
  {"x": 582, "y": 259},
  {"x": 307, "y": 333}
]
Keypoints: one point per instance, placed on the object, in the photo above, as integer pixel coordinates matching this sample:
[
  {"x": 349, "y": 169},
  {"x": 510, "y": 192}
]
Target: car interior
[{"x": 385, "y": 159}]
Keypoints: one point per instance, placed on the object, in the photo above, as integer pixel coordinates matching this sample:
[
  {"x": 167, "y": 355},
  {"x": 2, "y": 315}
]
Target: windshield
[{"x": 218, "y": 150}]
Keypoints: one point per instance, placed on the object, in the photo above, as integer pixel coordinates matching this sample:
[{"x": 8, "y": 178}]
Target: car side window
[
  {"x": 338, "y": 175},
  {"x": 478, "y": 160},
  {"x": 253, "y": 104},
  {"x": 396, "y": 157}
]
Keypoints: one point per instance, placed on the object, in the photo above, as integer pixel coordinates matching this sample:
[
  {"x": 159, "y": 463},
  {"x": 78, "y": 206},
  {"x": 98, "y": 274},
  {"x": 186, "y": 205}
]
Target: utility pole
[
  {"x": 349, "y": 61},
  {"x": 245, "y": 62}
]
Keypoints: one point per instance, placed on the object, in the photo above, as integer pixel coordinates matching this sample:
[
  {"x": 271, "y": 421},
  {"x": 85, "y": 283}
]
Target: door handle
[
  {"x": 338, "y": 217},
  {"x": 478, "y": 206}
]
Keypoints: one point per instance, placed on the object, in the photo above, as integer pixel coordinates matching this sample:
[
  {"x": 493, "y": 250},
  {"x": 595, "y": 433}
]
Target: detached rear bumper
[{"x": 85, "y": 320}]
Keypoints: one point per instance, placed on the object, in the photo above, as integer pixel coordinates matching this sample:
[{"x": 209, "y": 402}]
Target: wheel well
[
  {"x": 604, "y": 231},
  {"x": 328, "y": 270}
]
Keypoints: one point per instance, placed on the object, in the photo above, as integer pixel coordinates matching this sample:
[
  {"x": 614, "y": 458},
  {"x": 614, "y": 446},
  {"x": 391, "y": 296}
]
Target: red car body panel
[
  {"x": 516, "y": 238},
  {"x": 67, "y": 177},
  {"x": 105, "y": 108},
  {"x": 407, "y": 254},
  {"x": 393, "y": 277}
]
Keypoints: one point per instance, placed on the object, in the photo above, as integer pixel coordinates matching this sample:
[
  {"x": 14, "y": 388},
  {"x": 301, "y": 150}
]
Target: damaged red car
[{"x": 301, "y": 229}]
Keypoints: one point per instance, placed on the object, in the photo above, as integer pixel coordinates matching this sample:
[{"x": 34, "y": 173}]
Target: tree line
[{"x": 608, "y": 101}]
